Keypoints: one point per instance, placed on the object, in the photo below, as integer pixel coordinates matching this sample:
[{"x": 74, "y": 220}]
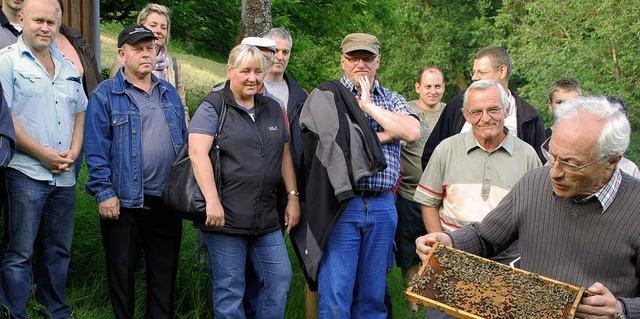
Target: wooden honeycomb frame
[{"x": 468, "y": 286}]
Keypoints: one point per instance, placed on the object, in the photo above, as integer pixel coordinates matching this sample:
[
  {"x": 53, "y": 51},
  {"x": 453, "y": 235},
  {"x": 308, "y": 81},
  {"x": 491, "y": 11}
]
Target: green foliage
[
  {"x": 446, "y": 33},
  {"x": 552, "y": 40},
  {"x": 204, "y": 25},
  {"x": 317, "y": 34},
  {"x": 594, "y": 41}
]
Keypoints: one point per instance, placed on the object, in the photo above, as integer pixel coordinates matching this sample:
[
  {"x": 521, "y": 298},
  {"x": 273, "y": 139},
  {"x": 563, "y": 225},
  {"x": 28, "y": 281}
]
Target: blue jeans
[
  {"x": 227, "y": 257},
  {"x": 34, "y": 203},
  {"x": 353, "y": 270}
]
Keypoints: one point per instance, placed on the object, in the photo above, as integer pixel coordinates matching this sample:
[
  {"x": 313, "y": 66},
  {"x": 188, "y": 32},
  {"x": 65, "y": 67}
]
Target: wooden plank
[{"x": 79, "y": 14}]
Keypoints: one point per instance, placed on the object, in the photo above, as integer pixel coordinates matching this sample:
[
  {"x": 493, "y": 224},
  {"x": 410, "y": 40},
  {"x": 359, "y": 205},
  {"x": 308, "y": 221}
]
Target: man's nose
[
  {"x": 555, "y": 170},
  {"x": 485, "y": 117}
]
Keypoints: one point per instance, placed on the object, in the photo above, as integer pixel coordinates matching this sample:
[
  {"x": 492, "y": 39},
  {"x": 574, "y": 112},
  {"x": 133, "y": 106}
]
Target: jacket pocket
[{"x": 119, "y": 119}]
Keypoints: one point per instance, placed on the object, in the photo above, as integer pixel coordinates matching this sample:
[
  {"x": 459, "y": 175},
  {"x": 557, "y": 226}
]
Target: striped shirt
[{"x": 466, "y": 182}]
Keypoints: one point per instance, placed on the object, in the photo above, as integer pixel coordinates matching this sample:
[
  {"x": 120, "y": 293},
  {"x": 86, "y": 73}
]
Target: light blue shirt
[{"x": 45, "y": 107}]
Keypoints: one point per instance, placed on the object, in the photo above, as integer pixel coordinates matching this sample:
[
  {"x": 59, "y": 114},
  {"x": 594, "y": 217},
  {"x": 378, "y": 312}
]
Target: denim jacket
[{"x": 113, "y": 142}]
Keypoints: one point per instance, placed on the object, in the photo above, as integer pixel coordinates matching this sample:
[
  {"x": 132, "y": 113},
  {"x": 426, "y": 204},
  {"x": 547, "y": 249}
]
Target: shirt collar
[
  {"x": 24, "y": 49},
  {"x": 154, "y": 80},
  {"x": 607, "y": 193},
  {"x": 470, "y": 143},
  {"x": 375, "y": 89}
]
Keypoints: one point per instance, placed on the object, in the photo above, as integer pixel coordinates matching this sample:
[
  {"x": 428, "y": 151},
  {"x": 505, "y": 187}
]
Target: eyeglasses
[
  {"x": 355, "y": 60},
  {"x": 494, "y": 112},
  {"x": 564, "y": 166},
  {"x": 472, "y": 72}
]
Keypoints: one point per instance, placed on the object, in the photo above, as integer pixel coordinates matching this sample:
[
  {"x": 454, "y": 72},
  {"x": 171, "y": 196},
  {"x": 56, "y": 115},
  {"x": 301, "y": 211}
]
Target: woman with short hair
[{"x": 242, "y": 223}]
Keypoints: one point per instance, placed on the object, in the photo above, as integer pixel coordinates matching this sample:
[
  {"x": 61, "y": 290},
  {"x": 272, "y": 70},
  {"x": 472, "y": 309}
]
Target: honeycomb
[{"x": 467, "y": 286}]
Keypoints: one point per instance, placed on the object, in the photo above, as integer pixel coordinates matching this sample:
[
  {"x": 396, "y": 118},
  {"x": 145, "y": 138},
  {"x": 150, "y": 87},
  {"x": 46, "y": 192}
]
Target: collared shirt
[
  {"x": 44, "y": 106},
  {"x": 8, "y": 33},
  {"x": 607, "y": 193},
  {"x": 466, "y": 182},
  {"x": 394, "y": 102}
]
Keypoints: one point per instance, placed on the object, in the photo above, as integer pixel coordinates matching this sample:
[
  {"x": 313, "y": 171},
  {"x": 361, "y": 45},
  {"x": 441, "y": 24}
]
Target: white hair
[
  {"x": 482, "y": 85},
  {"x": 615, "y": 135}
]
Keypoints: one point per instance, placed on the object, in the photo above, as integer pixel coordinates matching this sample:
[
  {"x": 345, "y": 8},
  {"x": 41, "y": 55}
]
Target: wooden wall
[{"x": 78, "y": 14}]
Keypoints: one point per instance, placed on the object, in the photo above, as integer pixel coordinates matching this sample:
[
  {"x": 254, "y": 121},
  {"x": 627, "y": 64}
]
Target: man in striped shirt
[{"x": 469, "y": 173}]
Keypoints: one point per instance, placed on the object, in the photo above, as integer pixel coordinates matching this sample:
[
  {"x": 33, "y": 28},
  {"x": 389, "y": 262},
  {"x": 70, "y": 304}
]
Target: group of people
[{"x": 350, "y": 171}]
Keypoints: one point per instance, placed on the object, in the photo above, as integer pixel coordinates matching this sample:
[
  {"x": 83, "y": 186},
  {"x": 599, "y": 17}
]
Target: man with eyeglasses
[
  {"x": 352, "y": 271},
  {"x": 491, "y": 63},
  {"x": 576, "y": 219},
  {"x": 469, "y": 173}
]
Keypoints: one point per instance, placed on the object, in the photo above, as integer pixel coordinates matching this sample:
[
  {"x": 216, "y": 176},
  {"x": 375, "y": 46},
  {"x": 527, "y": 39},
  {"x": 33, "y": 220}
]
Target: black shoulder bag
[{"x": 182, "y": 194}]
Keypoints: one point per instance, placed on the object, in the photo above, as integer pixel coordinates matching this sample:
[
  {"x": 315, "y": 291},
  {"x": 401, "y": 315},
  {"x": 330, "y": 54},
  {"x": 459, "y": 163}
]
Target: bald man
[{"x": 44, "y": 93}]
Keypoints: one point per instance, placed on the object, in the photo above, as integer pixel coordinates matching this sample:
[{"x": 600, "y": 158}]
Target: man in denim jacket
[{"x": 133, "y": 132}]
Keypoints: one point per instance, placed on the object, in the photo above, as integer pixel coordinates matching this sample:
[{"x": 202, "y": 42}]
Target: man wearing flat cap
[
  {"x": 134, "y": 130},
  {"x": 43, "y": 91},
  {"x": 352, "y": 274}
]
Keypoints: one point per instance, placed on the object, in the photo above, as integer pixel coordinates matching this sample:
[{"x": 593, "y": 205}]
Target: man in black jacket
[
  {"x": 523, "y": 120},
  {"x": 284, "y": 89}
]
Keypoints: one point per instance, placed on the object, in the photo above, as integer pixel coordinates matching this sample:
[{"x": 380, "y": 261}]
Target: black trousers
[{"x": 159, "y": 232}]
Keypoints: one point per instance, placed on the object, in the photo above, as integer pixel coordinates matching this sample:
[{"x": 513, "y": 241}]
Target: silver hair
[
  {"x": 280, "y": 32},
  {"x": 159, "y": 9},
  {"x": 616, "y": 132},
  {"x": 482, "y": 85}
]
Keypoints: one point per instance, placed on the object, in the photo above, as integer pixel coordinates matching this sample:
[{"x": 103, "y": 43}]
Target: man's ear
[
  {"x": 121, "y": 54},
  {"x": 466, "y": 115},
  {"x": 613, "y": 161},
  {"x": 504, "y": 70}
]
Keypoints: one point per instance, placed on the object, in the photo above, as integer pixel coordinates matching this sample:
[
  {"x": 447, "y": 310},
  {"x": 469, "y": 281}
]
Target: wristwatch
[
  {"x": 294, "y": 193},
  {"x": 620, "y": 313}
]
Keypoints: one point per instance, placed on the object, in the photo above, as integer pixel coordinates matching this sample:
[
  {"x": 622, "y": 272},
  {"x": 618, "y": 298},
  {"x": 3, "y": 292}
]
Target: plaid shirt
[
  {"x": 394, "y": 102},
  {"x": 607, "y": 193}
]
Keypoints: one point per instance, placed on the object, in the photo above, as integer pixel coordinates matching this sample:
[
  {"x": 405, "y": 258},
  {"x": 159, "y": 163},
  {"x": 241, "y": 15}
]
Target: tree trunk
[{"x": 255, "y": 20}]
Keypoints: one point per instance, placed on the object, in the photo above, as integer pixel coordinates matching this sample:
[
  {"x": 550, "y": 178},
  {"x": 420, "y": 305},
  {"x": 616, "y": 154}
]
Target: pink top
[{"x": 70, "y": 52}]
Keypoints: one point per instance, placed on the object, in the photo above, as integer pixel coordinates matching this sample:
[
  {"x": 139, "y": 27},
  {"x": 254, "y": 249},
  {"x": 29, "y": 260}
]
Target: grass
[{"x": 87, "y": 284}]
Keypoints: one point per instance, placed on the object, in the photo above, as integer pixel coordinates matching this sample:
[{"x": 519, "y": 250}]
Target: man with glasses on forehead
[
  {"x": 576, "y": 219},
  {"x": 352, "y": 272},
  {"x": 523, "y": 120},
  {"x": 469, "y": 173}
]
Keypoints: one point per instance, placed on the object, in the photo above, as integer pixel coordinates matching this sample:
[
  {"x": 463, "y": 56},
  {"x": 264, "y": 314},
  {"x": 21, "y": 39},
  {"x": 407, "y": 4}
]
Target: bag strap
[
  {"x": 175, "y": 70},
  {"x": 221, "y": 119}
]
